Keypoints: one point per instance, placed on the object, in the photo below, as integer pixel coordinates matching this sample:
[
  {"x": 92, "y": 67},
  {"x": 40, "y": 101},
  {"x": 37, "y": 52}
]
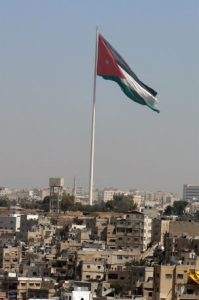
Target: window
[
  {"x": 99, "y": 267},
  {"x": 112, "y": 276},
  {"x": 88, "y": 266},
  {"x": 180, "y": 276},
  {"x": 150, "y": 294},
  {"x": 88, "y": 276},
  {"x": 168, "y": 276},
  {"x": 23, "y": 284}
]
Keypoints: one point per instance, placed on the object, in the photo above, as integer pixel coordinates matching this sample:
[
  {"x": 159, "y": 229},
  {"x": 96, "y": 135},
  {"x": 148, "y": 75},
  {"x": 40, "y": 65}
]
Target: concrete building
[
  {"x": 34, "y": 287},
  {"x": 108, "y": 194},
  {"x": 93, "y": 270},
  {"x": 11, "y": 222},
  {"x": 190, "y": 192},
  {"x": 79, "y": 293},
  {"x": 133, "y": 231},
  {"x": 175, "y": 282},
  {"x": 10, "y": 258},
  {"x": 159, "y": 228},
  {"x": 177, "y": 228},
  {"x": 181, "y": 248}
]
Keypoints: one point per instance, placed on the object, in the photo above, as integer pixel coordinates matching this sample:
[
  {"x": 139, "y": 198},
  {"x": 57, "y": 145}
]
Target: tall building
[
  {"x": 133, "y": 231},
  {"x": 190, "y": 192}
]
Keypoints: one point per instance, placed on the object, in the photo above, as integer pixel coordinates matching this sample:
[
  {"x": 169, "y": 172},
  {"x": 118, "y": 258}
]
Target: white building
[
  {"x": 190, "y": 192},
  {"x": 108, "y": 194},
  {"x": 79, "y": 293}
]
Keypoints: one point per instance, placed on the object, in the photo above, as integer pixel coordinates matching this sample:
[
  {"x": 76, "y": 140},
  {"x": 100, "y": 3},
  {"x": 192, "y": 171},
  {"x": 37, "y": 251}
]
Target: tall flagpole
[{"x": 93, "y": 124}]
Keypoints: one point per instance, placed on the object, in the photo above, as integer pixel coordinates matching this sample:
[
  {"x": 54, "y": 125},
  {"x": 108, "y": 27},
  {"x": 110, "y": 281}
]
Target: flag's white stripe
[{"x": 138, "y": 88}]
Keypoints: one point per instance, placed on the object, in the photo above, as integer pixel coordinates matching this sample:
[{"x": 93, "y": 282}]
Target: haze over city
[{"x": 46, "y": 84}]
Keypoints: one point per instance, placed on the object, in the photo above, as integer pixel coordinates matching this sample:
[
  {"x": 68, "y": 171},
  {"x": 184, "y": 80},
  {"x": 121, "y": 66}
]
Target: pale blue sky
[{"x": 46, "y": 82}]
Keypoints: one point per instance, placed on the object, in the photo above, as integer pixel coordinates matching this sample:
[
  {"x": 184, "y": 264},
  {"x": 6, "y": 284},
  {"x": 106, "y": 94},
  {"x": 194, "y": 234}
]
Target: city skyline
[{"x": 46, "y": 84}]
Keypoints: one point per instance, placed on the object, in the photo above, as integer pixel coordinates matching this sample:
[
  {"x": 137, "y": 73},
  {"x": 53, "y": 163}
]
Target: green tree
[
  {"x": 67, "y": 202},
  {"x": 168, "y": 210},
  {"x": 179, "y": 207},
  {"x": 45, "y": 205},
  {"x": 4, "y": 202},
  {"x": 122, "y": 203}
]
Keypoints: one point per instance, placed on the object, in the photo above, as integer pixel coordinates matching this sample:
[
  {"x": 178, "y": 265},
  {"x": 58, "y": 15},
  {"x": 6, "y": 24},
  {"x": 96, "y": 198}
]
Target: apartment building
[
  {"x": 110, "y": 233},
  {"x": 98, "y": 228},
  {"x": 136, "y": 280},
  {"x": 34, "y": 287},
  {"x": 183, "y": 247},
  {"x": 108, "y": 194},
  {"x": 142, "y": 281},
  {"x": 133, "y": 231},
  {"x": 93, "y": 270},
  {"x": 11, "y": 222},
  {"x": 10, "y": 258},
  {"x": 176, "y": 282}
]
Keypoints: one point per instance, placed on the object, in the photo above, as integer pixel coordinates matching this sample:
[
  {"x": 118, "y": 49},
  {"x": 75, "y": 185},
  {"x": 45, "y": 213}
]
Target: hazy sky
[{"x": 46, "y": 84}]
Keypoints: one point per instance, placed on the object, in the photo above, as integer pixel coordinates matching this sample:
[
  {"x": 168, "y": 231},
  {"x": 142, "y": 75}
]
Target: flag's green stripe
[{"x": 129, "y": 92}]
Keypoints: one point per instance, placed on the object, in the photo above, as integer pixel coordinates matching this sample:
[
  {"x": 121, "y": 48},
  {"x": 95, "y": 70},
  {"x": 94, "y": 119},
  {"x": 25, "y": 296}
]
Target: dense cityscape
[
  {"x": 128, "y": 245},
  {"x": 99, "y": 156}
]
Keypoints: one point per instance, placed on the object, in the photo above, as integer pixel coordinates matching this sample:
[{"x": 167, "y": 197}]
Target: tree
[
  {"x": 45, "y": 205},
  {"x": 122, "y": 203},
  {"x": 67, "y": 202},
  {"x": 4, "y": 202},
  {"x": 178, "y": 208},
  {"x": 168, "y": 210}
]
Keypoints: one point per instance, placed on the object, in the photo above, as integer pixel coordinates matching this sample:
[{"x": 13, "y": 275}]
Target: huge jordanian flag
[{"x": 110, "y": 65}]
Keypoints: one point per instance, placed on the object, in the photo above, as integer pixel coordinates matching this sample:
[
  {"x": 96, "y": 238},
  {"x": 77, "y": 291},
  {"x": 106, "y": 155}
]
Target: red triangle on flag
[{"x": 106, "y": 64}]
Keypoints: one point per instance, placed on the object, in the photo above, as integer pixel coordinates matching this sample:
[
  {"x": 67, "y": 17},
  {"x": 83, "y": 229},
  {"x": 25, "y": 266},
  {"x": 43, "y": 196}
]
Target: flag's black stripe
[{"x": 120, "y": 61}]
